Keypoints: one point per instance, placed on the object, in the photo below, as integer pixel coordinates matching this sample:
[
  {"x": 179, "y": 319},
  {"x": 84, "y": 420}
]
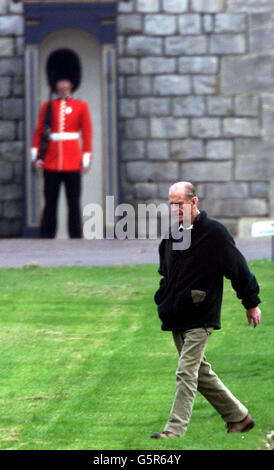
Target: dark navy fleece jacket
[{"x": 191, "y": 289}]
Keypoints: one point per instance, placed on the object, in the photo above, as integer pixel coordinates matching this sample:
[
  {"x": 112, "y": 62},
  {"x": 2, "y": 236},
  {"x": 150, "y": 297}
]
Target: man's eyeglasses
[{"x": 179, "y": 203}]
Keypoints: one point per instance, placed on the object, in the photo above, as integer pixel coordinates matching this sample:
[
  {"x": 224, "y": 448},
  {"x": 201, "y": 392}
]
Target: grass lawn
[{"x": 85, "y": 365}]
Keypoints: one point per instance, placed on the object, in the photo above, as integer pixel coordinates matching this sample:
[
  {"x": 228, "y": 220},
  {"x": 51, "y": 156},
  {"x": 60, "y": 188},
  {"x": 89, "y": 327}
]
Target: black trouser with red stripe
[{"x": 52, "y": 183}]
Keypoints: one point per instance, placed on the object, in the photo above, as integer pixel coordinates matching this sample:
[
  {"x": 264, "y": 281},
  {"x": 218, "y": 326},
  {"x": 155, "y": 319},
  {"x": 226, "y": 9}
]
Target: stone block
[
  {"x": 18, "y": 172},
  {"x": 143, "y": 46},
  {"x": 6, "y": 47},
  {"x": 199, "y": 65},
  {"x": 20, "y": 45},
  {"x": 229, "y": 43},
  {"x": 146, "y": 191},
  {"x": 5, "y": 87},
  {"x": 219, "y": 149},
  {"x": 175, "y": 6},
  {"x": 13, "y": 209},
  {"x": 6, "y": 172},
  {"x": 152, "y": 171},
  {"x": 4, "y": 6},
  {"x": 136, "y": 128},
  {"x": 125, "y": 7},
  {"x": 228, "y": 22},
  {"x": 18, "y": 86},
  {"x": 249, "y": 6},
  {"x": 168, "y": 127},
  {"x": 242, "y": 127},
  {"x": 200, "y": 190},
  {"x": 190, "y": 24},
  {"x": 13, "y": 108},
  {"x": 11, "y": 25},
  {"x": 157, "y": 150},
  {"x": 138, "y": 86},
  {"x": 157, "y": 65},
  {"x": 20, "y": 130},
  {"x": 187, "y": 149},
  {"x": 160, "y": 24},
  {"x": 246, "y": 105},
  {"x": 208, "y": 6},
  {"x": 121, "y": 86},
  {"x": 128, "y": 192},
  {"x": 147, "y": 6},
  {"x": 127, "y": 66},
  {"x": 171, "y": 85},
  {"x": 163, "y": 190},
  {"x": 12, "y": 151},
  {"x": 206, "y": 171},
  {"x": 186, "y": 45},
  {"x": 220, "y": 106},
  {"x": 208, "y": 23},
  {"x": 189, "y": 106},
  {"x": 205, "y": 84},
  {"x": 11, "y": 66},
  {"x": 237, "y": 74},
  {"x": 10, "y": 192},
  {"x": 268, "y": 115},
  {"x": 237, "y": 207},
  {"x": 254, "y": 159},
  {"x": 7, "y": 130},
  {"x": 129, "y": 24},
  {"x": 120, "y": 41},
  {"x": 154, "y": 106},
  {"x": 259, "y": 189},
  {"x": 261, "y": 32},
  {"x": 127, "y": 107},
  {"x": 10, "y": 228},
  {"x": 132, "y": 149},
  {"x": 227, "y": 190},
  {"x": 206, "y": 127}
]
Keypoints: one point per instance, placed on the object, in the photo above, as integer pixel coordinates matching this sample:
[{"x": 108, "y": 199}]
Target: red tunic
[{"x": 64, "y": 152}]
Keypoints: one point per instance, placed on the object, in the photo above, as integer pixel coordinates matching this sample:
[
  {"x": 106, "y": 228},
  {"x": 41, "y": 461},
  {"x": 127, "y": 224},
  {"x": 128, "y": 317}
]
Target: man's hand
[
  {"x": 85, "y": 170},
  {"x": 86, "y": 165},
  {"x": 254, "y": 314},
  {"x": 38, "y": 163}
]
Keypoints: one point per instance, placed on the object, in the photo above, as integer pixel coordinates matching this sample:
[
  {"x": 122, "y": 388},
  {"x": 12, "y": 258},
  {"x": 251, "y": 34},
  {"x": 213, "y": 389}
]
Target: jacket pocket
[{"x": 198, "y": 296}]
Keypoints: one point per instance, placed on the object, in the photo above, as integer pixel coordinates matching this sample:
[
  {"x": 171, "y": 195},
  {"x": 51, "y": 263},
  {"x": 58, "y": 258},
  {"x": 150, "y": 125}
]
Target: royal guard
[{"x": 58, "y": 150}]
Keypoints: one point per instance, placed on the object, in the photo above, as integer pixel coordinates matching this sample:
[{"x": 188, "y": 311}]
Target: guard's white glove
[
  {"x": 86, "y": 161},
  {"x": 33, "y": 153}
]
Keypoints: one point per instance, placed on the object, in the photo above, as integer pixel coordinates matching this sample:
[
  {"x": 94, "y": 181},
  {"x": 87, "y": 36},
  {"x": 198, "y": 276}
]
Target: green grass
[{"x": 85, "y": 365}]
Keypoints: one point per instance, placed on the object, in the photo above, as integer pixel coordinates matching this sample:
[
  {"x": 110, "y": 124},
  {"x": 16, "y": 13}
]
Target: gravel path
[{"x": 16, "y": 253}]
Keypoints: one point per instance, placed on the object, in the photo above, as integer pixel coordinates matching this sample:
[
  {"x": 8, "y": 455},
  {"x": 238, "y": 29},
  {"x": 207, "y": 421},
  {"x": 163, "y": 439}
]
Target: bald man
[{"x": 189, "y": 305}]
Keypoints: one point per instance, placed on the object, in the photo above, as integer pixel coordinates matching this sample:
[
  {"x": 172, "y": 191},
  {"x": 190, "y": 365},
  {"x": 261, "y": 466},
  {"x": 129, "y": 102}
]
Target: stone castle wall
[
  {"x": 11, "y": 117},
  {"x": 196, "y": 102}
]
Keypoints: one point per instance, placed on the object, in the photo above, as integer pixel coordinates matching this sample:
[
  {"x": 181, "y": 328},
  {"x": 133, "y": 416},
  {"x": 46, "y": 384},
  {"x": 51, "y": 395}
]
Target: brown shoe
[
  {"x": 241, "y": 426},
  {"x": 163, "y": 435}
]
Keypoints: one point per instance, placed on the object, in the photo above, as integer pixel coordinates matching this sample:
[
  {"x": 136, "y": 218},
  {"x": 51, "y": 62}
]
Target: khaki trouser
[{"x": 194, "y": 374}]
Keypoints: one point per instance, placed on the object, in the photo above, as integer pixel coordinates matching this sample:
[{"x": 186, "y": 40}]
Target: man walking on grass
[{"x": 189, "y": 304}]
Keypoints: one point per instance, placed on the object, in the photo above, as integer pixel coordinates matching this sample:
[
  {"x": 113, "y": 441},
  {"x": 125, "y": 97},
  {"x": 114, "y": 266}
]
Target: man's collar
[{"x": 181, "y": 227}]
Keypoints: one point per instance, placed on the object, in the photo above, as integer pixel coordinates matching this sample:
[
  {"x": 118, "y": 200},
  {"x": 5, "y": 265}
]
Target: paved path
[{"x": 19, "y": 252}]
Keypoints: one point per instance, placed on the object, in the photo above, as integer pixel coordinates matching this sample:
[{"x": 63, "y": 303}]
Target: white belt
[{"x": 55, "y": 136}]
